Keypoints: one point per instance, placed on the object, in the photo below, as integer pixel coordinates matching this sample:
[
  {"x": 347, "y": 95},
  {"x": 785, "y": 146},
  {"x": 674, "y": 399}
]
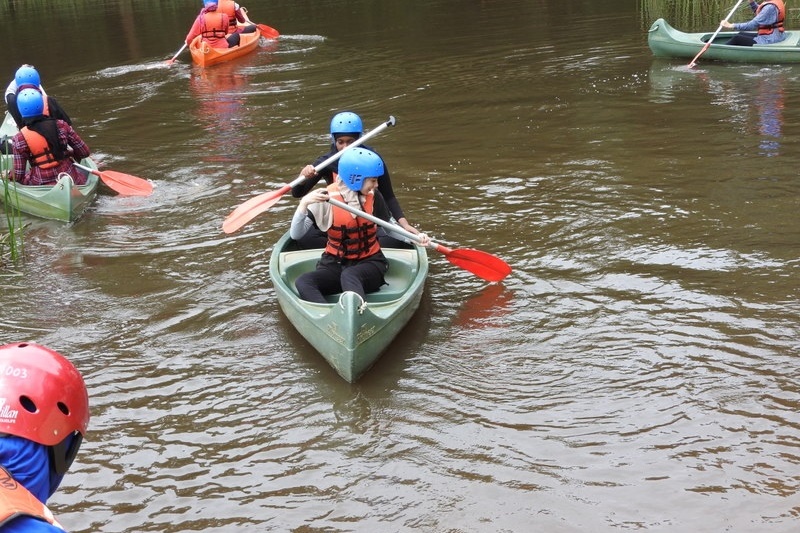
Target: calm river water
[{"x": 637, "y": 371}]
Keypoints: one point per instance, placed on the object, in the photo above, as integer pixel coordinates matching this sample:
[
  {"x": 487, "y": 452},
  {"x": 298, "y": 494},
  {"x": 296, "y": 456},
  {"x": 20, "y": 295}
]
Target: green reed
[
  {"x": 690, "y": 15},
  {"x": 700, "y": 15},
  {"x": 11, "y": 244}
]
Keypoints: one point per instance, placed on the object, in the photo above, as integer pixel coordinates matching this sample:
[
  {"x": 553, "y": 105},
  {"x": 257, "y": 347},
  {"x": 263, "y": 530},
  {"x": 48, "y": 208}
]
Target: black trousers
[
  {"x": 332, "y": 276},
  {"x": 743, "y": 38}
]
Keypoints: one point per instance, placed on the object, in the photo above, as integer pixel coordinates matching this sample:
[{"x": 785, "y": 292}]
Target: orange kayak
[{"x": 205, "y": 56}]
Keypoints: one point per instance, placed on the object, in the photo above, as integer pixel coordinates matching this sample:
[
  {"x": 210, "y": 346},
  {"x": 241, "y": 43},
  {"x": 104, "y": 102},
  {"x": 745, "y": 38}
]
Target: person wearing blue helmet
[
  {"x": 45, "y": 146},
  {"x": 213, "y": 26},
  {"x": 27, "y": 77},
  {"x": 345, "y": 128},
  {"x": 352, "y": 259}
]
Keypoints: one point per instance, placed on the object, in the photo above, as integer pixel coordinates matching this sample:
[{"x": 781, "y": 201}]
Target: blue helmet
[
  {"x": 30, "y": 103},
  {"x": 207, "y": 3},
  {"x": 27, "y": 75},
  {"x": 357, "y": 165},
  {"x": 346, "y": 122}
]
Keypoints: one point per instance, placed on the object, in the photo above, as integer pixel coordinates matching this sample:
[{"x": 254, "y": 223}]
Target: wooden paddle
[
  {"x": 121, "y": 183},
  {"x": 482, "y": 264},
  {"x": 258, "y": 204},
  {"x": 171, "y": 61},
  {"x": 703, "y": 50}
]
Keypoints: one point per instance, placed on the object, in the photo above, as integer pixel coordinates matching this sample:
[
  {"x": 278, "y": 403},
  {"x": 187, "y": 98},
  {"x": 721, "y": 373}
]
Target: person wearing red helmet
[{"x": 44, "y": 413}]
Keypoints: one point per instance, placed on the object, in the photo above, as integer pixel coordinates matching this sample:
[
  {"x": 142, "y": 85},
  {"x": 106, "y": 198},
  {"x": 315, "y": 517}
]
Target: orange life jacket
[
  {"x": 214, "y": 26},
  {"x": 351, "y": 237},
  {"x": 229, "y": 8},
  {"x": 766, "y": 30},
  {"x": 16, "y": 500},
  {"x": 41, "y": 154}
]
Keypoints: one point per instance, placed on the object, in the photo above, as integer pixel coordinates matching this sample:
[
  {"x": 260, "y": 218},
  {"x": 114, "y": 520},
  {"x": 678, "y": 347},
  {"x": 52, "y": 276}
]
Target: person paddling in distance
[
  {"x": 45, "y": 413},
  {"x": 27, "y": 77},
  {"x": 352, "y": 259},
  {"x": 46, "y": 144},
  {"x": 213, "y": 25},
  {"x": 768, "y": 21},
  {"x": 237, "y": 17},
  {"x": 345, "y": 128}
]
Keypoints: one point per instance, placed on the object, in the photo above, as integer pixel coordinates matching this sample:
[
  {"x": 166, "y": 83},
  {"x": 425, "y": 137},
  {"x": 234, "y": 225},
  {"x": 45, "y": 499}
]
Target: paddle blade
[
  {"x": 268, "y": 32},
  {"x": 484, "y": 265},
  {"x": 701, "y": 52},
  {"x": 181, "y": 49},
  {"x": 252, "y": 208},
  {"x": 126, "y": 184}
]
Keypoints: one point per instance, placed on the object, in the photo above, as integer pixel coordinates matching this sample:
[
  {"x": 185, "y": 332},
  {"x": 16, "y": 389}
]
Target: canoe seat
[{"x": 402, "y": 270}]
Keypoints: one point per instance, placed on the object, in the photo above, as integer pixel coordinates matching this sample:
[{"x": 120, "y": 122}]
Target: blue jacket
[
  {"x": 29, "y": 464},
  {"x": 767, "y": 17}
]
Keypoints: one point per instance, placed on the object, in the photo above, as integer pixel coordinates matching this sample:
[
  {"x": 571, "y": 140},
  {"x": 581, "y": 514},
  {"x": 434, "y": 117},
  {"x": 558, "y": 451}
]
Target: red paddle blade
[
  {"x": 484, "y": 265},
  {"x": 126, "y": 184},
  {"x": 252, "y": 208},
  {"x": 269, "y": 33}
]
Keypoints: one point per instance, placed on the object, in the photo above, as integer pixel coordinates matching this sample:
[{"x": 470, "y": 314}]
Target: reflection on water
[
  {"x": 486, "y": 308},
  {"x": 636, "y": 371},
  {"x": 755, "y": 95},
  {"x": 221, "y": 96},
  {"x": 221, "y": 108}
]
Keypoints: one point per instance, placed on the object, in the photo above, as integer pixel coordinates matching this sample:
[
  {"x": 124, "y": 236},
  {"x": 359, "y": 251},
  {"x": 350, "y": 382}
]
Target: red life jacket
[
  {"x": 229, "y": 8},
  {"x": 41, "y": 154},
  {"x": 351, "y": 237},
  {"x": 16, "y": 500},
  {"x": 215, "y": 25},
  {"x": 766, "y": 30}
]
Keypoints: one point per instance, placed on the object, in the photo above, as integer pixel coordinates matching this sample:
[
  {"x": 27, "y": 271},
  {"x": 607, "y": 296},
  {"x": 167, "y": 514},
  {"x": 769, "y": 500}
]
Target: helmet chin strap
[{"x": 63, "y": 454}]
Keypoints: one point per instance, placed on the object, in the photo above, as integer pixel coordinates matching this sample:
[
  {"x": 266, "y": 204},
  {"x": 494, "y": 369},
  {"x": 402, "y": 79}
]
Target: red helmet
[{"x": 43, "y": 397}]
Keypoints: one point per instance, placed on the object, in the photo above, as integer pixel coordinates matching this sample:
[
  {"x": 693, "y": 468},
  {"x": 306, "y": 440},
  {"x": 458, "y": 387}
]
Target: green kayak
[
  {"x": 63, "y": 201},
  {"x": 666, "y": 41},
  {"x": 349, "y": 335}
]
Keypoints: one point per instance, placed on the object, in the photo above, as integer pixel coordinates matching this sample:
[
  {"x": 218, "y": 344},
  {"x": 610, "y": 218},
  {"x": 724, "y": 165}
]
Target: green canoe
[
  {"x": 350, "y": 337},
  {"x": 666, "y": 41},
  {"x": 63, "y": 201}
]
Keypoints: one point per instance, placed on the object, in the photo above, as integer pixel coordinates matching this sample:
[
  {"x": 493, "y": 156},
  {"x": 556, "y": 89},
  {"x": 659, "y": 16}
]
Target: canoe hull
[
  {"x": 666, "y": 41},
  {"x": 205, "y": 56},
  {"x": 349, "y": 338},
  {"x": 63, "y": 201}
]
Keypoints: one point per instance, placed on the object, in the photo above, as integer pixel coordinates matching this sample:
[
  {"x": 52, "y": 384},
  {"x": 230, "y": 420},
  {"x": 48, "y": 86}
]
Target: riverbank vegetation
[
  {"x": 11, "y": 243},
  {"x": 700, "y": 15}
]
